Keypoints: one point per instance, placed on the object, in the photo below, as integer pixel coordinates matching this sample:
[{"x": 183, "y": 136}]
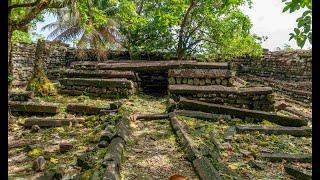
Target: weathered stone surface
[
  {"x": 278, "y": 157},
  {"x": 202, "y": 115},
  {"x": 188, "y": 89},
  {"x": 84, "y": 161},
  {"x": 200, "y": 73},
  {"x": 116, "y": 82},
  {"x": 185, "y": 140},
  {"x": 114, "y": 152},
  {"x": 105, "y": 74},
  {"x": 102, "y": 144},
  {"x": 147, "y": 66},
  {"x": 205, "y": 170},
  {"x": 33, "y": 107},
  {"x": 257, "y": 165},
  {"x": 35, "y": 128},
  {"x": 123, "y": 129},
  {"x": 65, "y": 146},
  {"x": 280, "y": 105},
  {"x": 106, "y": 136},
  {"x": 51, "y": 122},
  {"x": 277, "y": 130},
  {"x": 39, "y": 164},
  {"x": 88, "y": 109},
  {"x": 21, "y": 143},
  {"x": 297, "y": 173},
  {"x": 21, "y": 96},
  {"x": 112, "y": 171},
  {"x": 298, "y": 113},
  {"x": 240, "y": 113},
  {"x": 231, "y": 131},
  {"x": 152, "y": 116}
]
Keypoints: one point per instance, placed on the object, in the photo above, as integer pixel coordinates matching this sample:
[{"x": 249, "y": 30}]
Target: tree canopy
[
  {"x": 209, "y": 29},
  {"x": 303, "y": 31}
]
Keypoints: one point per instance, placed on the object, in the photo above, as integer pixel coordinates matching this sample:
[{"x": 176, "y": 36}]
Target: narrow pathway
[{"x": 154, "y": 153}]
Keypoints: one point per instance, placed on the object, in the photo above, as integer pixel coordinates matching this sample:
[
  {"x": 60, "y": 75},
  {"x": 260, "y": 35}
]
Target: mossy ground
[
  {"x": 153, "y": 152},
  {"x": 253, "y": 143},
  {"x": 83, "y": 137}
]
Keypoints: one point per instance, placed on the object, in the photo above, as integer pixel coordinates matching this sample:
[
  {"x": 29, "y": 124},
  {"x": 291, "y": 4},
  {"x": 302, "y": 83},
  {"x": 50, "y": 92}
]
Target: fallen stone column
[
  {"x": 152, "y": 116},
  {"x": 278, "y": 157},
  {"x": 202, "y": 115},
  {"x": 297, "y": 173},
  {"x": 205, "y": 170},
  {"x": 33, "y": 107},
  {"x": 46, "y": 122},
  {"x": 240, "y": 113},
  {"x": 88, "y": 109},
  {"x": 185, "y": 140},
  {"x": 112, "y": 159},
  {"x": 277, "y": 130}
]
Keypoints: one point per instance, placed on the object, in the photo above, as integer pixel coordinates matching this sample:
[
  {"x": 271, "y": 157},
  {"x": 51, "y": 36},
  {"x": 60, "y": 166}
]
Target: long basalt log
[
  {"x": 240, "y": 113},
  {"x": 278, "y": 157},
  {"x": 277, "y": 130},
  {"x": 298, "y": 113},
  {"x": 185, "y": 140},
  {"x": 200, "y": 73},
  {"x": 152, "y": 116},
  {"x": 202, "y": 115},
  {"x": 123, "y": 129},
  {"x": 46, "y": 122},
  {"x": 297, "y": 173},
  {"x": 212, "y": 89},
  {"x": 159, "y": 66},
  {"x": 71, "y": 73},
  {"x": 88, "y": 109},
  {"x": 114, "y": 151},
  {"x": 34, "y": 107},
  {"x": 117, "y": 82},
  {"x": 21, "y": 96},
  {"x": 205, "y": 169}
]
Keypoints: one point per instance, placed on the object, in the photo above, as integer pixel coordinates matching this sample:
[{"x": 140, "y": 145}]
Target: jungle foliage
[{"x": 208, "y": 29}]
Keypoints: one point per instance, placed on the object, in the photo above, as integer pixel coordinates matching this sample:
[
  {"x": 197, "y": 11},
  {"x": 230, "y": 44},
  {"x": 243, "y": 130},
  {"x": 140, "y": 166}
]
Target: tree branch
[
  {"x": 31, "y": 4},
  {"x": 34, "y": 12}
]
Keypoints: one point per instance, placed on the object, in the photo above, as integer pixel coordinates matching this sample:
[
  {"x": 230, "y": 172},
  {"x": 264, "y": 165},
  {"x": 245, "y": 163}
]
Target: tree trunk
[
  {"x": 10, "y": 64},
  {"x": 181, "y": 46}
]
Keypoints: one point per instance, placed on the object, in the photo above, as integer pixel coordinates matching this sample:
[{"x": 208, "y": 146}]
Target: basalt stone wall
[
  {"x": 257, "y": 98},
  {"x": 60, "y": 55},
  {"x": 23, "y": 56},
  {"x": 283, "y": 65}
]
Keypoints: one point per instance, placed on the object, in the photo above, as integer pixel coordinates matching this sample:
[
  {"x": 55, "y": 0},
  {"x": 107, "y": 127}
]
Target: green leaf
[{"x": 297, "y": 31}]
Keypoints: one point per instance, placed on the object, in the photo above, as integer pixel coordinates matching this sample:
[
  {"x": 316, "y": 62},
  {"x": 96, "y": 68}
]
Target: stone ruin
[{"x": 272, "y": 88}]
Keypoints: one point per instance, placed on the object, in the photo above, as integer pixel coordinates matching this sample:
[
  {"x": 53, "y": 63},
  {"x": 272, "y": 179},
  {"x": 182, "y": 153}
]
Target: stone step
[
  {"x": 190, "y": 89},
  {"x": 113, "y": 83},
  {"x": 33, "y": 107},
  {"x": 105, "y": 74},
  {"x": 200, "y": 73},
  {"x": 147, "y": 66},
  {"x": 21, "y": 96}
]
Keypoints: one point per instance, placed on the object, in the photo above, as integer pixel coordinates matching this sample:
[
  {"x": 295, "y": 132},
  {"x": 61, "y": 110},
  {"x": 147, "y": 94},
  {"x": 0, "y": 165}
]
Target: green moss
[
  {"x": 34, "y": 153},
  {"x": 41, "y": 86}
]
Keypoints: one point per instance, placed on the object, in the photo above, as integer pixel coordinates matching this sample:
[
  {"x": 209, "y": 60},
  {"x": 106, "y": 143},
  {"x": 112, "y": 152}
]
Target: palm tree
[{"x": 92, "y": 27}]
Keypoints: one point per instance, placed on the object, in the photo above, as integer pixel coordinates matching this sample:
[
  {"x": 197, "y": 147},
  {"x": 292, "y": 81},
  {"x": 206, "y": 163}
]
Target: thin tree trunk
[
  {"x": 181, "y": 47},
  {"x": 10, "y": 64}
]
